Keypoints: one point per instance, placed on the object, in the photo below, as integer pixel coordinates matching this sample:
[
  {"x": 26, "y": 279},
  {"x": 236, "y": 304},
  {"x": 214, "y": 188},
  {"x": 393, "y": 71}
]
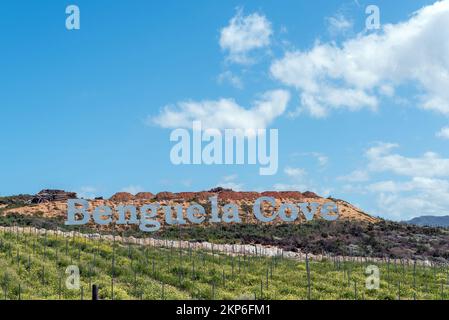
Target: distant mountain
[{"x": 431, "y": 221}]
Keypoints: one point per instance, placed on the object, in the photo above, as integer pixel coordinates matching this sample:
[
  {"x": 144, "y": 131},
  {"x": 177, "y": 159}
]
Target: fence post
[
  {"x": 308, "y": 276},
  {"x": 94, "y": 292}
]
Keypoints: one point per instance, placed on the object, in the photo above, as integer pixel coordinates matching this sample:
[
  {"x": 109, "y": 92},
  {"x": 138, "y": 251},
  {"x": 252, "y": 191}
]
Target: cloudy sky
[{"x": 362, "y": 114}]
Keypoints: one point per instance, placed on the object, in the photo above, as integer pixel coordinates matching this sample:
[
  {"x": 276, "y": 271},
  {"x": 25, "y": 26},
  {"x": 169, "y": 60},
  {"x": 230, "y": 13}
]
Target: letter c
[{"x": 257, "y": 206}]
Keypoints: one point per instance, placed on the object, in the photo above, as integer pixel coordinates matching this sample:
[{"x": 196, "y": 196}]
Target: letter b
[{"x": 73, "y": 211}]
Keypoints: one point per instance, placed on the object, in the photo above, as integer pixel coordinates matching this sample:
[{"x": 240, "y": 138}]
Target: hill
[
  {"x": 355, "y": 233},
  {"x": 431, "y": 221},
  {"x": 244, "y": 201}
]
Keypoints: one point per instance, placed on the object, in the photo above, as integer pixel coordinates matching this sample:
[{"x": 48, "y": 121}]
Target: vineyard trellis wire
[{"x": 33, "y": 264}]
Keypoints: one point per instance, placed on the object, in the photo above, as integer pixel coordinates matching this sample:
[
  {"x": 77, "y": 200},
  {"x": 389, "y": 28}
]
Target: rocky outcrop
[
  {"x": 122, "y": 197},
  {"x": 238, "y": 196},
  {"x": 144, "y": 196},
  {"x": 164, "y": 196},
  {"x": 48, "y": 195},
  {"x": 228, "y": 194},
  {"x": 186, "y": 196},
  {"x": 310, "y": 194}
]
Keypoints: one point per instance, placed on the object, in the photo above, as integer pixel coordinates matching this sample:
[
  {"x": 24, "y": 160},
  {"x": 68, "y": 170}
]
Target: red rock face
[
  {"x": 295, "y": 195},
  {"x": 236, "y": 196},
  {"x": 122, "y": 197},
  {"x": 144, "y": 196},
  {"x": 223, "y": 195},
  {"x": 284, "y": 195},
  {"x": 193, "y": 196},
  {"x": 165, "y": 196},
  {"x": 205, "y": 195},
  {"x": 187, "y": 196},
  {"x": 309, "y": 194},
  {"x": 273, "y": 194}
]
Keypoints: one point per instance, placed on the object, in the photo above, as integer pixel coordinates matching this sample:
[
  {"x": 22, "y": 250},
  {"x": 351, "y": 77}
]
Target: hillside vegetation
[
  {"x": 344, "y": 238},
  {"x": 32, "y": 266}
]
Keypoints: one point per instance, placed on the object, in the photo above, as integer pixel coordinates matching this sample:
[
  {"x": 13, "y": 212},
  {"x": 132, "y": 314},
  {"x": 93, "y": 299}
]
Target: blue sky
[{"x": 366, "y": 119}]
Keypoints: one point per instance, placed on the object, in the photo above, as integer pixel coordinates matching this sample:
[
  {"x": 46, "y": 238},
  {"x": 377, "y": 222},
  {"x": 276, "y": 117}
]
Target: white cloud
[
  {"x": 416, "y": 197},
  {"x": 245, "y": 34},
  {"x": 430, "y": 164},
  {"x": 187, "y": 183},
  {"x": 355, "y": 176},
  {"x": 87, "y": 192},
  {"x": 231, "y": 177},
  {"x": 298, "y": 180},
  {"x": 443, "y": 133},
  {"x": 229, "y": 77},
  {"x": 291, "y": 187},
  {"x": 339, "y": 24},
  {"x": 381, "y": 149},
  {"x": 133, "y": 189},
  {"x": 231, "y": 185},
  {"x": 356, "y": 73},
  {"x": 416, "y": 186},
  {"x": 295, "y": 172},
  {"x": 321, "y": 158},
  {"x": 225, "y": 113},
  {"x": 228, "y": 182}
]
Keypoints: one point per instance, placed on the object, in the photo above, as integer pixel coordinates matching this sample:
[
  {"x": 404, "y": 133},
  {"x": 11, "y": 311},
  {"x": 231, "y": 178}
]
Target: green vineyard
[{"x": 33, "y": 266}]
